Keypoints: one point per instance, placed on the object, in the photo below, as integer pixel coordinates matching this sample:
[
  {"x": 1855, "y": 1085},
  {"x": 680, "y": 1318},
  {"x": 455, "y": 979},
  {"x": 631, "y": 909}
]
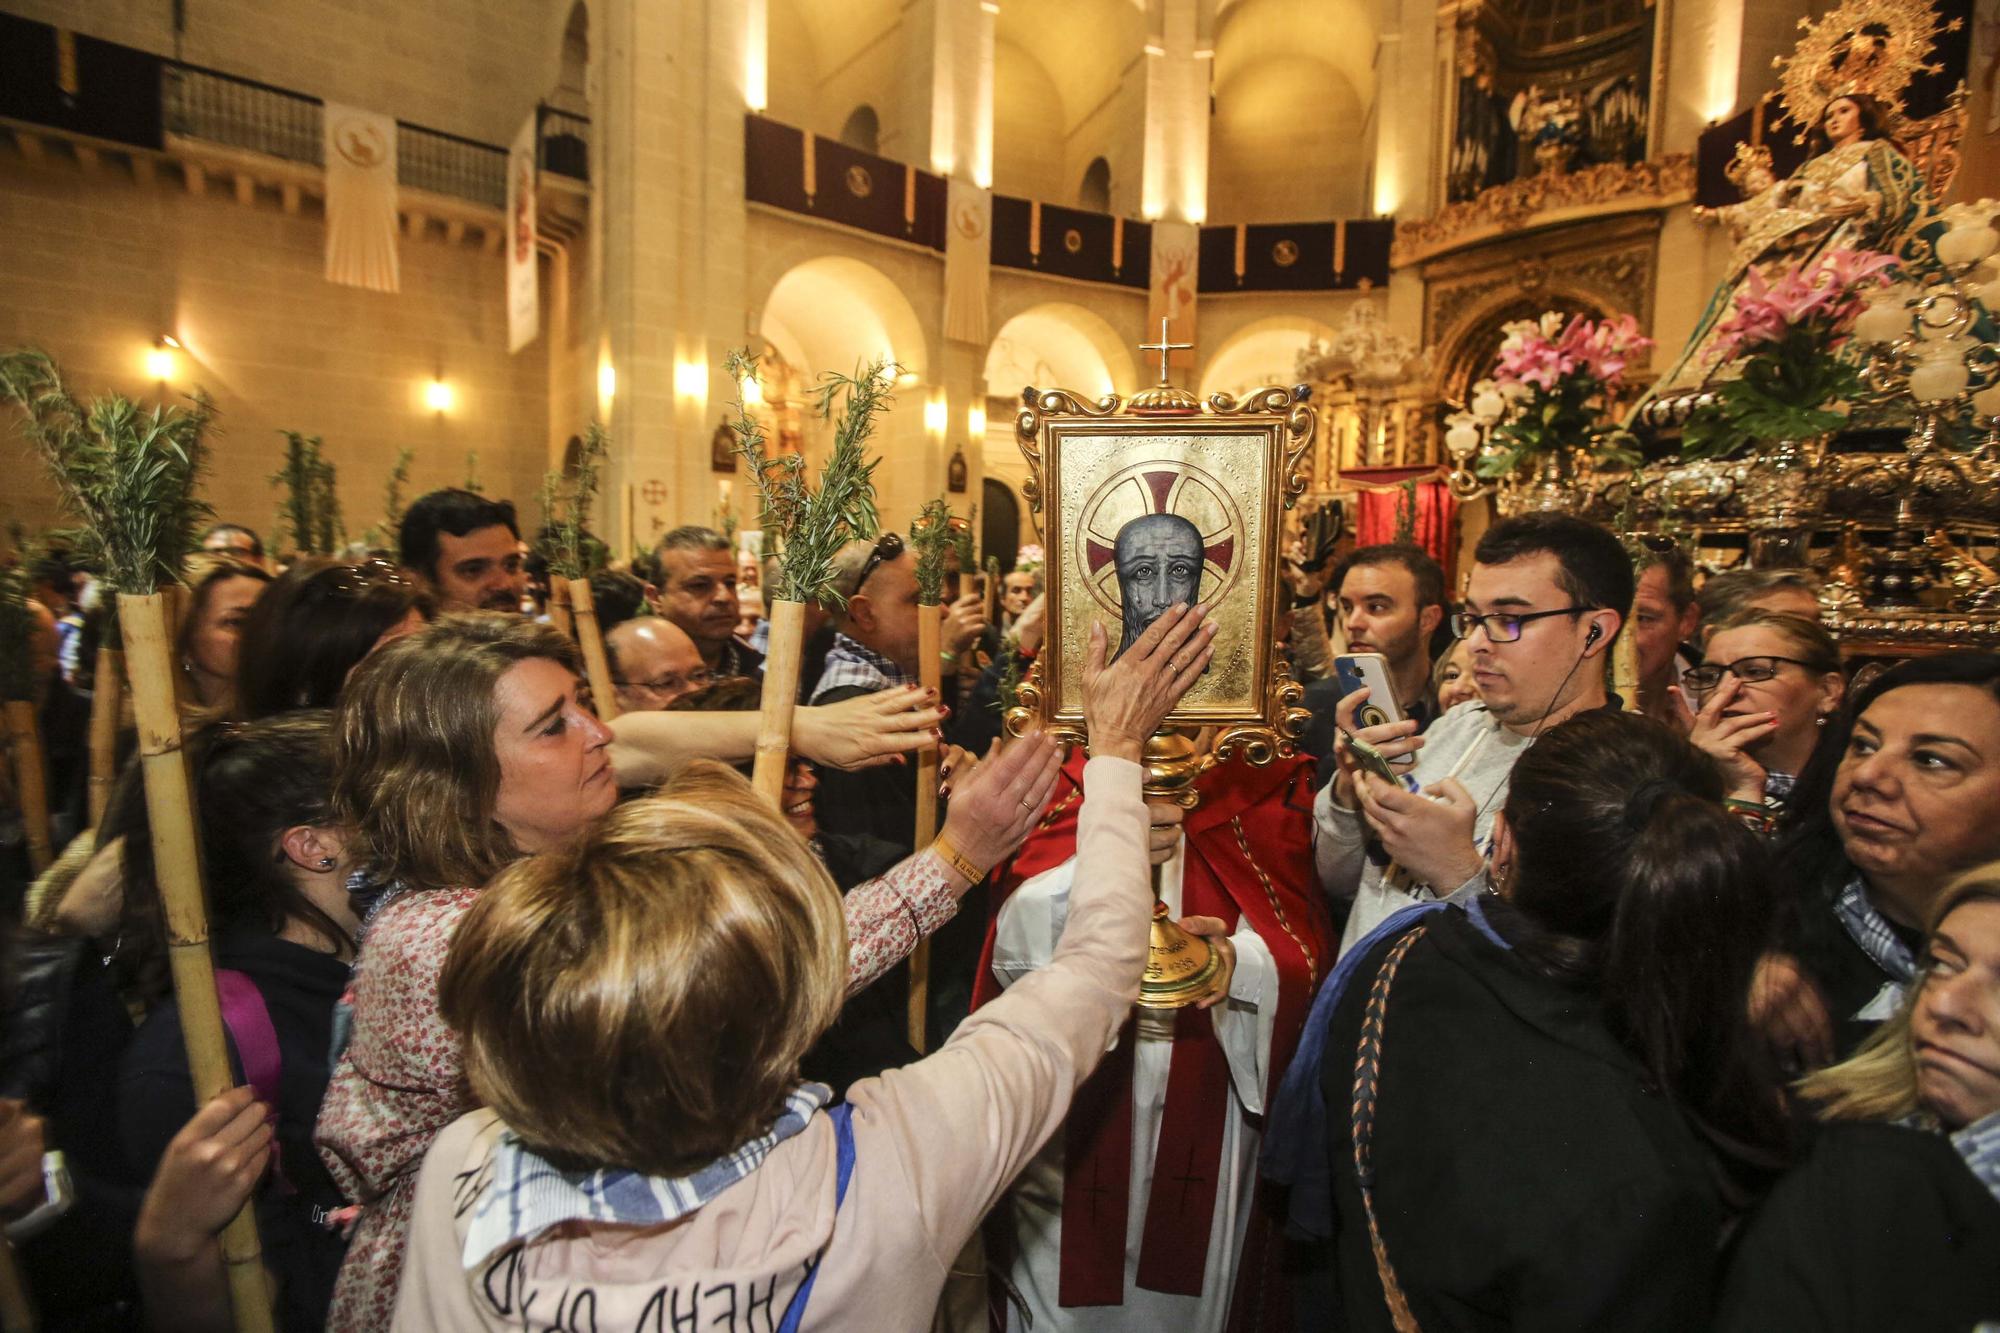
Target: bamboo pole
[
  {"x": 17, "y": 1312},
  {"x": 31, "y": 780},
  {"x": 177, "y": 867},
  {"x": 107, "y": 702},
  {"x": 596, "y": 665},
  {"x": 1625, "y": 662},
  {"x": 559, "y": 612},
  {"x": 929, "y": 652},
  {"x": 781, "y": 697}
]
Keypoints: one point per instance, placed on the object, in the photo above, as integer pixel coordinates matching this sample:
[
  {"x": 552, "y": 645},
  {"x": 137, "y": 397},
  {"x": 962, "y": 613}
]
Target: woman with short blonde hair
[
  {"x": 1893, "y": 1221},
  {"x": 634, "y": 1009},
  {"x": 470, "y": 745}
]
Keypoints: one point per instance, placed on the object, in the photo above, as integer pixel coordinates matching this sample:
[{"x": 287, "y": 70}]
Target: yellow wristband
[{"x": 954, "y": 858}]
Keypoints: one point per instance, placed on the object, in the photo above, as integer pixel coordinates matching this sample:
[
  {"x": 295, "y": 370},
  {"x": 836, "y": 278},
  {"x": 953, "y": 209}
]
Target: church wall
[
  {"x": 1116, "y": 131},
  {"x": 1270, "y": 160},
  {"x": 1028, "y": 131},
  {"x": 99, "y": 268},
  {"x": 1220, "y": 318},
  {"x": 382, "y": 55}
]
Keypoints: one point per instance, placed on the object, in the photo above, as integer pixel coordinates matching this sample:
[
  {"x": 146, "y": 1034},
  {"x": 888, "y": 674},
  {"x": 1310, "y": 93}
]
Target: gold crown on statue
[
  {"x": 1870, "y": 48},
  {"x": 1749, "y": 157}
]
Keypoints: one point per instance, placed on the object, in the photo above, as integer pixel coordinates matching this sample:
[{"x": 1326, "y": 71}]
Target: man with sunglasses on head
[{"x": 1545, "y": 601}]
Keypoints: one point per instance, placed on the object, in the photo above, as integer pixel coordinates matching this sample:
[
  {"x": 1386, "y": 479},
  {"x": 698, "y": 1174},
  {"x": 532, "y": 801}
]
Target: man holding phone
[
  {"x": 1544, "y": 604},
  {"x": 1391, "y": 600}
]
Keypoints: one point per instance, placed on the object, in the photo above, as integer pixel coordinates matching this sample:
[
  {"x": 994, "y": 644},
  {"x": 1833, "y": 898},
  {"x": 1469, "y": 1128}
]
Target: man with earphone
[{"x": 1543, "y": 605}]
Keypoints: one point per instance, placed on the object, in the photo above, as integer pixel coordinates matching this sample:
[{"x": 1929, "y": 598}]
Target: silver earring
[{"x": 326, "y": 863}]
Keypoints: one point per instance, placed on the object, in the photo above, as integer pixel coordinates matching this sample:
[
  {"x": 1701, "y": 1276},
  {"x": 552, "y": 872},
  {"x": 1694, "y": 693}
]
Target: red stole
[{"x": 1250, "y": 820}]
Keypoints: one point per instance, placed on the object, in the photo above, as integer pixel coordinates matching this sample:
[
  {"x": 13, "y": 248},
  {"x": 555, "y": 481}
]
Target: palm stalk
[
  {"x": 806, "y": 527},
  {"x": 931, "y": 539},
  {"x": 128, "y": 477},
  {"x": 472, "y": 481}
]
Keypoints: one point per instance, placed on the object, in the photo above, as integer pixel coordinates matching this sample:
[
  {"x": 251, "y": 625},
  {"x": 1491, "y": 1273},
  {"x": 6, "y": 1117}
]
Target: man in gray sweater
[{"x": 1546, "y": 599}]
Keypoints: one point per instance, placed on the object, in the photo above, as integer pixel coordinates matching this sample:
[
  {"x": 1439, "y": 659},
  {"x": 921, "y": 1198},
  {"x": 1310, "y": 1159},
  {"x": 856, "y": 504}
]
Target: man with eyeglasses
[
  {"x": 653, "y": 662},
  {"x": 1543, "y": 606}
]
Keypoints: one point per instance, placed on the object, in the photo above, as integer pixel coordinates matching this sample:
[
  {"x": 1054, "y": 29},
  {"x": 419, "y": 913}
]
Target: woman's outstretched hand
[
  {"x": 1125, "y": 701},
  {"x": 997, "y": 803},
  {"x": 868, "y": 729}
]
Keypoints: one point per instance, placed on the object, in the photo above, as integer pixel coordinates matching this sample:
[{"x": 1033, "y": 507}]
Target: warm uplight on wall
[
  {"x": 440, "y": 397},
  {"x": 934, "y": 416},
  {"x": 160, "y": 362},
  {"x": 607, "y": 382},
  {"x": 757, "y": 55},
  {"x": 753, "y": 392},
  {"x": 691, "y": 380},
  {"x": 906, "y": 379},
  {"x": 1385, "y": 193},
  {"x": 975, "y": 422}
]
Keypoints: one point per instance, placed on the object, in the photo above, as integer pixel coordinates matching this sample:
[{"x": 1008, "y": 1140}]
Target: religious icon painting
[{"x": 1161, "y": 501}]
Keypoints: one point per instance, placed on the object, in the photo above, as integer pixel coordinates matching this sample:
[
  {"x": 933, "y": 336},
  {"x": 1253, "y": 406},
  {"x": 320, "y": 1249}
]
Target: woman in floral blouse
[{"x": 459, "y": 750}]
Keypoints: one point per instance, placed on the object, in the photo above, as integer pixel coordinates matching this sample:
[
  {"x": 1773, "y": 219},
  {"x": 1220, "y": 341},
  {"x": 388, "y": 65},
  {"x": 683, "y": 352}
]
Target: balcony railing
[
  {"x": 447, "y": 164},
  {"x": 242, "y": 113},
  {"x": 564, "y": 142}
]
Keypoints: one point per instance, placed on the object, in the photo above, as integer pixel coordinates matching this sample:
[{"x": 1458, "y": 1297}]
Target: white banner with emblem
[
  {"x": 968, "y": 261},
  {"x": 361, "y": 199},
  {"x": 524, "y": 301}
]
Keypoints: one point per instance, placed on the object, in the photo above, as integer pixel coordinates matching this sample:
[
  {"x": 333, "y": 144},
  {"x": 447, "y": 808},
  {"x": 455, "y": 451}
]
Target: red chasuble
[{"x": 1248, "y": 853}]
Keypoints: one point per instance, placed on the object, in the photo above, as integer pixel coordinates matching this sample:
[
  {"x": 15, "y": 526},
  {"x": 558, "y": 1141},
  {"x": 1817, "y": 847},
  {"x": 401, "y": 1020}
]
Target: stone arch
[
  {"x": 1057, "y": 345},
  {"x": 1262, "y": 352},
  {"x": 1094, "y": 193},
  {"x": 863, "y": 129},
  {"x": 836, "y": 313},
  {"x": 1466, "y": 353},
  {"x": 1267, "y": 160}
]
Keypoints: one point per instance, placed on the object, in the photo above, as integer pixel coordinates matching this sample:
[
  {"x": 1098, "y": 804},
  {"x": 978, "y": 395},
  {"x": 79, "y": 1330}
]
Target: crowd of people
[{"x": 1535, "y": 1006}]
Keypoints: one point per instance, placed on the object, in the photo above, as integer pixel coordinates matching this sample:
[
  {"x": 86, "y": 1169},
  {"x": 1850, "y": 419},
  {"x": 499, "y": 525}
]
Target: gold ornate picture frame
[{"x": 1136, "y": 504}]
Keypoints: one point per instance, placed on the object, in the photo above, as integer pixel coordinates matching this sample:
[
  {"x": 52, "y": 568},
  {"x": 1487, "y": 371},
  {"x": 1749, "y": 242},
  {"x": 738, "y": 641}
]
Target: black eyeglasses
[
  {"x": 1505, "y": 626},
  {"x": 887, "y": 547},
  {"x": 1749, "y": 670}
]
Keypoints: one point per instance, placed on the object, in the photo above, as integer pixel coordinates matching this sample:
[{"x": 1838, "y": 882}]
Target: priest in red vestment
[{"x": 1144, "y": 1212}]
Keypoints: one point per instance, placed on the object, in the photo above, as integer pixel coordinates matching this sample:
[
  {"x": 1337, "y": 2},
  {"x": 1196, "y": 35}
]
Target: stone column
[{"x": 670, "y": 258}]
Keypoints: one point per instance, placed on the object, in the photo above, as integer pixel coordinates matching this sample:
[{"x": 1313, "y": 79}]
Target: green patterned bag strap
[{"x": 1367, "y": 1073}]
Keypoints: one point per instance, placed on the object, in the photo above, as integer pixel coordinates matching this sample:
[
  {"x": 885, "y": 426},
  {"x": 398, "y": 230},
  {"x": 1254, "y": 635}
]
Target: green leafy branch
[
  {"x": 310, "y": 513},
  {"x": 572, "y": 552},
  {"x": 812, "y": 524},
  {"x": 389, "y": 531},
  {"x": 1781, "y": 395},
  {"x": 931, "y": 538},
  {"x": 126, "y": 475}
]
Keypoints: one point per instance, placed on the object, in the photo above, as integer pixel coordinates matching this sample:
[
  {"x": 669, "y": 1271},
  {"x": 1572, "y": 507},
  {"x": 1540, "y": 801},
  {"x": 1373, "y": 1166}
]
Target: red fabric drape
[{"x": 1437, "y": 518}]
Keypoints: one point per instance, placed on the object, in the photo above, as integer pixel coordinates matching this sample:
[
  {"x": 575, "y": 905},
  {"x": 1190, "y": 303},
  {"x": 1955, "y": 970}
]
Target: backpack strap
[
  {"x": 843, "y": 1139},
  {"x": 248, "y": 1019},
  {"x": 1367, "y": 1077}
]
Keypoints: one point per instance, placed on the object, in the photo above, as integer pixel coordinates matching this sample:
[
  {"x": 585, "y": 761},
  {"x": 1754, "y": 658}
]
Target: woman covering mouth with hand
[
  {"x": 1900, "y": 797},
  {"x": 1894, "y": 1220}
]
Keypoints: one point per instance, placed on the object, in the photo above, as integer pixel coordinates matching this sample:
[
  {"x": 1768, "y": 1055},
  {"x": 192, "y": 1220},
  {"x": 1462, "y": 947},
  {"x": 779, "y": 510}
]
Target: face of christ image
[{"x": 1159, "y": 561}]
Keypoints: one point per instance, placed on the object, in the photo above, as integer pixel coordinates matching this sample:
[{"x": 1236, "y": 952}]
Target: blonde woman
[
  {"x": 469, "y": 745},
  {"x": 1893, "y": 1221},
  {"x": 634, "y": 1010}
]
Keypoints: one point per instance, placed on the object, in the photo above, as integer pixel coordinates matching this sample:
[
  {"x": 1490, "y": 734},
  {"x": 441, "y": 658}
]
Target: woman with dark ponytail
[{"x": 1544, "y": 1104}]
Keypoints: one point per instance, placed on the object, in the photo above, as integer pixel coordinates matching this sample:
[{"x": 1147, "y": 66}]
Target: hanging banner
[
  {"x": 968, "y": 262},
  {"x": 524, "y": 301},
  {"x": 361, "y": 198},
  {"x": 1176, "y": 259}
]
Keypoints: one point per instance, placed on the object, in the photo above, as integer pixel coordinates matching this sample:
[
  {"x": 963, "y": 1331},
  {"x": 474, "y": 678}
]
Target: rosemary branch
[
  {"x": 812, "y": 524},
  {"x": 931, "y": 537},
  {"x": 126, "y": 475},
  {"x": 566, "y": 509}
]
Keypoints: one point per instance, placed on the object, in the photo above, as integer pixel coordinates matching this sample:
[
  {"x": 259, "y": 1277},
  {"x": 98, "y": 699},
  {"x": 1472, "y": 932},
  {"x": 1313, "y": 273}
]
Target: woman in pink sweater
[
  {"x": 634, "y": 1010},
  {"x": 462, "y": 749}
]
